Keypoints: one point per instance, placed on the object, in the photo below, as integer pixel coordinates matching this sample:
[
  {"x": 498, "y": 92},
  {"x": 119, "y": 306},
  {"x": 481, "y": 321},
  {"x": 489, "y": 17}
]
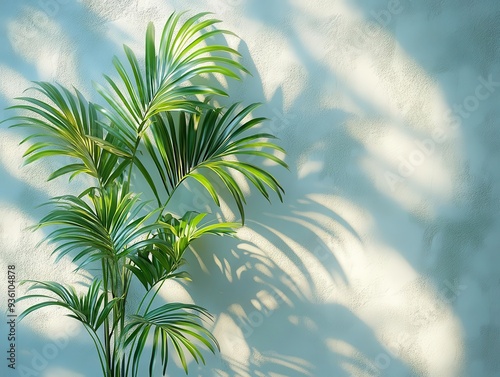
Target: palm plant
[{"x": 161, "y": 127}]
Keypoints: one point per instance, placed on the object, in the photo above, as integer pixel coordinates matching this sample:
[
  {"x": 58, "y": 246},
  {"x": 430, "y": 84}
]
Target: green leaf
[
  {"x": 88, "y": 308},
  {"x": 67, "y": 125},
  {"x": 207, "y": 184},
  {"x": 164, "y": 84},
  {"x": 190, "y": 146},
  {"x": 173, "y": 323},
  {"x": 109, "y": 227}
]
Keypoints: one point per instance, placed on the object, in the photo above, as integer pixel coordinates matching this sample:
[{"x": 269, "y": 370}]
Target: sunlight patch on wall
[
  {"x": 369, "y": 62},
  {"x": 35, "y": 174},
  {"x": 12, "y": 226},
  {"x": 36, "y": 28},
  {"x": 411, "y": 158},
  {"x": 10, "y": 91},
  {"x": 335, "y": 245},
  {"x": 444, "y": 345},
  {"x": 354, "y": 362},
  {"x": 110, "y": 10},
  {"x": 175, "y": 290},
  {"x": 45, "y": 34},
  {"x": 423, "y": 199},
  {"x": 231, "y": 338},
  {"x": 295, "y": 279},
  {"x": 224, "y": 267},
  {"x": 20, "y": 246},
  {"x": 309, "y": 167},
  {"x": 392, "y": 298},
  {"x": 61, "y": 372},
  {"x": 355, "y": 216},
  {"x": 280, "y": 71},
  {"x": 17, "y": 240},
  {"x": 407, "y": 313},
  {"x": 406, "y": 94},
  {"x": 342, "y": 237},
  {"x": 313, "y": 270},
  {"x": 408, "y": 170},
  {"x": 291, "y": 364}
]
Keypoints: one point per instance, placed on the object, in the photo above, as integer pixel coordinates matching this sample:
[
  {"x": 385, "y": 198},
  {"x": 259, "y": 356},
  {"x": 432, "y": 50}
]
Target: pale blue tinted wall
[{"x": 383, "y": 259}]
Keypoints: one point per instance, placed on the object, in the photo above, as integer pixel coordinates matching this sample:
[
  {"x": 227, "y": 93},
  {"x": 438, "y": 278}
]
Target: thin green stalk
[
  {"x": 155, "y": 294},
  {"x": 126, "y": 283},
  {"x": 117, "y": 314},
  {"x": 163, "y": 281},
  {"x": 136, "y": 146},
  {"x": 101, "y": 352},
  {"x": 106, "y": 321},
  {"x": 144, "y": 298},
  {"x": 134, "y": 153},
  {"x": 124, "y": 280}
]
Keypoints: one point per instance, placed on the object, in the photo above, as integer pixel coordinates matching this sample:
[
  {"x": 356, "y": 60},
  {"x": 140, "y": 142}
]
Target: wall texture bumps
[{"x": 384, "y": 258}]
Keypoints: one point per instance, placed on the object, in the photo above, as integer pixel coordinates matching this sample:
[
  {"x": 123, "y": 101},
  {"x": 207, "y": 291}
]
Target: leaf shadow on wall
[
  {"x": 341, "y": 168},
  {"x": 280, "y": 302}
]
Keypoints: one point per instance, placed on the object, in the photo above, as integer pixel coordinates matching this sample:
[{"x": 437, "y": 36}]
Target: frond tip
[
  {"x": 165, "y": 84},
  {"x": 212, "y": 145},
  {"x": 174, "y": 324},
  {"x": 66, "y": 124},
  {"x": 89, "y": 308}
]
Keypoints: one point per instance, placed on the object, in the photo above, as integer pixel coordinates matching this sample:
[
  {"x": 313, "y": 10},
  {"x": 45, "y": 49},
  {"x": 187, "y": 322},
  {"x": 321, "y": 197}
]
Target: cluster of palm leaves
[{"x": 160, "y": 126}]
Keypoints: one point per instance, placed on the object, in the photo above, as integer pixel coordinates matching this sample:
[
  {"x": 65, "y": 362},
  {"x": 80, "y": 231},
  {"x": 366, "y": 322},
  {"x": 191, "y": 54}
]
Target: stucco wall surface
[{"x": 383, "y": 259}]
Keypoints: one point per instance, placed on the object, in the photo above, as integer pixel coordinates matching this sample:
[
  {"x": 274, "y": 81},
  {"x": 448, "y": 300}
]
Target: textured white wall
[{"x": 384, "y": 258}]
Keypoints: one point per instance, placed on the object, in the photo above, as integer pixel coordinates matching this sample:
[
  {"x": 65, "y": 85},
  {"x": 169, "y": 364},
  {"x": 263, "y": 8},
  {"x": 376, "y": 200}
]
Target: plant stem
[
  {"x": 154, "y": 296},
  {"x": 106, "y": 321}
]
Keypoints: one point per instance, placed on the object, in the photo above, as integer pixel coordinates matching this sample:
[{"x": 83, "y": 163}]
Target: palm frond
[
  {"x": 88, "y": 308},
  {"x": 195, "y": 146},
  {"x": 91, "y": 308},
  {"x": 173, "y": 324},
  {"x": 179, "y": 233},
  {"x": 109, "y": 227},
  {"x": 69, "y": 126},
  {"x": 152, "y": 265},
  {"x": 164, "y": 83}
]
